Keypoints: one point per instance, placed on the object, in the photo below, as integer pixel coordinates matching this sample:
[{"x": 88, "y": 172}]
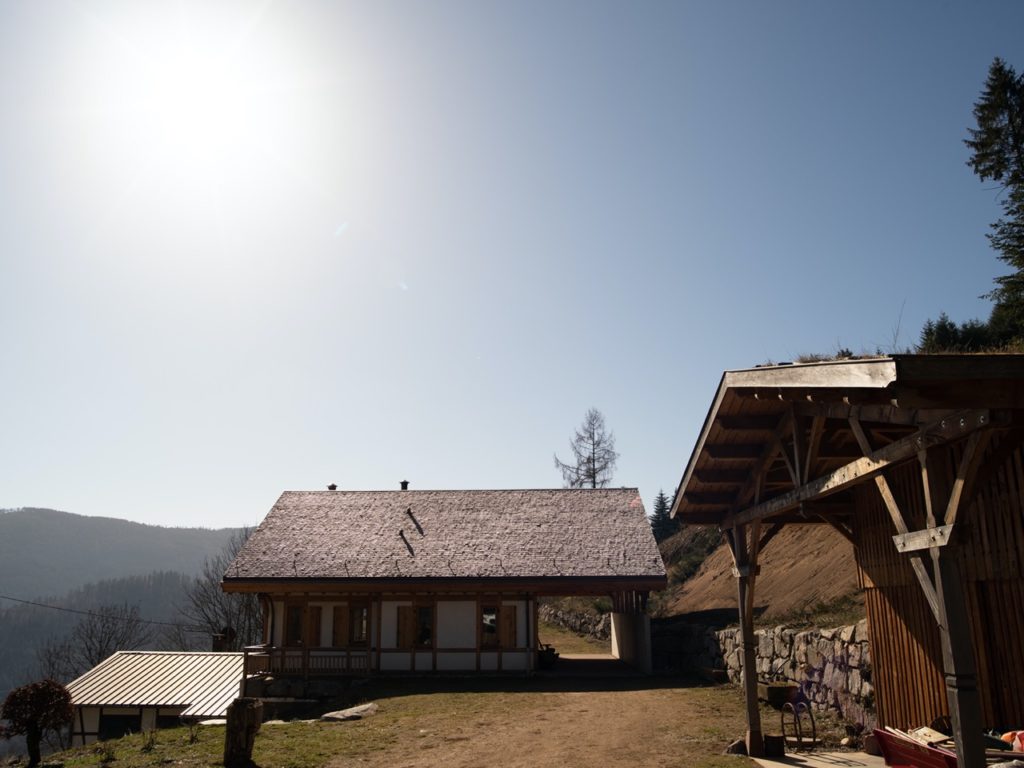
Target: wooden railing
[{"x": 306, "y": 662}]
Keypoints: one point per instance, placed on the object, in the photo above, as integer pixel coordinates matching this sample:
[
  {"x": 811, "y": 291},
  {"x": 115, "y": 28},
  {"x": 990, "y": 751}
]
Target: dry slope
[{"x": 804, "y": 566}]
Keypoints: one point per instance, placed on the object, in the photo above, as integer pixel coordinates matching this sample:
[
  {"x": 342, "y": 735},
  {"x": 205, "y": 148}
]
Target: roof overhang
[
  {"x": 539, "y": 585},
  {"x": 772, "y": 432}
]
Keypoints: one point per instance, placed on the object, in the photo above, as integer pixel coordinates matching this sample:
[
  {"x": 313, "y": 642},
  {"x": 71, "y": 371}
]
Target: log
[{"x": 245, "y": 715}]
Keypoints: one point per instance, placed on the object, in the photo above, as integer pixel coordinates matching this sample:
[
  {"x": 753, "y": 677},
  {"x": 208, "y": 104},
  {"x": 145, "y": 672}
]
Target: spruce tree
[
  {"x": 662, "y": 524},
  {"x": 997, "y": 147}
]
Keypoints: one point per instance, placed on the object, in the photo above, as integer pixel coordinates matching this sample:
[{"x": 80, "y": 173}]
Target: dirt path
[{"x": 660, "y": 726}]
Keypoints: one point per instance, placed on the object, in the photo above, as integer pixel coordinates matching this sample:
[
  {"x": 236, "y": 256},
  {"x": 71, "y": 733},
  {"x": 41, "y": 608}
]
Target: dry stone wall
[
  {"x": 585, "y": 624},
  {"x": 831, "y": 666}
]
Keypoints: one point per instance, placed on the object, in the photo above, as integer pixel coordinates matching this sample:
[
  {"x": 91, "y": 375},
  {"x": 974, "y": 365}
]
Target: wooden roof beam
[
  {"x": 882, "y": 414},
  {"x": 943, "y": 431},
  {"x": 736, "y": 452}
]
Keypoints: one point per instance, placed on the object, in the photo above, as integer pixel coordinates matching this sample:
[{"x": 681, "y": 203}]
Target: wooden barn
[
  {"x": 917, "y": 461},
  {"x": 362, "y": 582}
]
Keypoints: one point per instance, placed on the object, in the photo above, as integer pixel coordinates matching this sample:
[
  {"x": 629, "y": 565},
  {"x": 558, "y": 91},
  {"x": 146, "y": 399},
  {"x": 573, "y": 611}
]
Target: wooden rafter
[{"x": 865, "y": 467}]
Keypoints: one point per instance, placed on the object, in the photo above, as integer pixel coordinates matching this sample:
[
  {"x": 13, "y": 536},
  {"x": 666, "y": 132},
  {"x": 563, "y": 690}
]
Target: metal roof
[{"x": 204, "y": 683}]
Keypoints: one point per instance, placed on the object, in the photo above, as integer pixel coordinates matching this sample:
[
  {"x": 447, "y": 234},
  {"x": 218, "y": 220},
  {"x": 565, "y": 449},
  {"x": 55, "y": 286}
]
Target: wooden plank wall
[{"x": 906, "y": 654}]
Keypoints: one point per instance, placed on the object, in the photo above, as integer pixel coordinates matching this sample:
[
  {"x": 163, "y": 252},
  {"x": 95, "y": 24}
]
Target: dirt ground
[{"x": 542, "y": 723}]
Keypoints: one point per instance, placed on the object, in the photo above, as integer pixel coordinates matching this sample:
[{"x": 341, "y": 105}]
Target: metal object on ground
[{"x": 798, "y": 729}]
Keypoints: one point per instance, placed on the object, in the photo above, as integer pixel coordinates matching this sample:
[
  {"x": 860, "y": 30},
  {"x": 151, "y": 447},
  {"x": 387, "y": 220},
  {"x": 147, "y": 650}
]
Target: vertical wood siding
[{"x": 906, "y": 652}]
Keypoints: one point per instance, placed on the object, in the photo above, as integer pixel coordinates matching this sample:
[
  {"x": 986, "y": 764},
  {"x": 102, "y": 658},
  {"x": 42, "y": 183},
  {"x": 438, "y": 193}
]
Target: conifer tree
[
  {"x": 997, "y": 154},
  {"x": 662, "y": 524},
  {"x": 594, "y": 456}
]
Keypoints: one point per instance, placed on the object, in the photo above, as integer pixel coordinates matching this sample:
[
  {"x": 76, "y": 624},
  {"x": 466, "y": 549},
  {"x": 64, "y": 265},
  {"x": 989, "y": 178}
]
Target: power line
[{"x": 185, "y": 627}]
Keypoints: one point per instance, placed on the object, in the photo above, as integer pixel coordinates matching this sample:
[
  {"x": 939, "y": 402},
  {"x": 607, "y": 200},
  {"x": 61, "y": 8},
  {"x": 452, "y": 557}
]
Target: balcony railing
[{"x": 306, "y": 662}]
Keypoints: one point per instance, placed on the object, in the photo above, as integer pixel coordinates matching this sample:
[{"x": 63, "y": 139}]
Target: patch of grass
[
  {"x": 565, "y": 641},
  {"x": 422, "y": 722},
  {"x": 841, "y": 612}
]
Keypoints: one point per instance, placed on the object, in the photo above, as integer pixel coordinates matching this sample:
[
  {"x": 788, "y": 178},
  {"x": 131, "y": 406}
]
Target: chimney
[
  {"x": 405, "y": 485},
  {"x": 332, "y": 487}
]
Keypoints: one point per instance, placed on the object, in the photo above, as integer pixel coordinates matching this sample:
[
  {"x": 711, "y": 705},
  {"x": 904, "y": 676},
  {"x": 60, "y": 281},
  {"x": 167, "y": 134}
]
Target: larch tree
[{"x": 594, "y": 456}]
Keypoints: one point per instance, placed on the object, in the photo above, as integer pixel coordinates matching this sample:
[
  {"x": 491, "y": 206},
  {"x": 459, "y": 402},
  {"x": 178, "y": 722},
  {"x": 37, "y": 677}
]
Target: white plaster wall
[
  {"x": 456, "y": 624},
  {"x": 395, "y": 662},
  {"x": 514, "y": 661},
  {"x": 453, "y": 662},
  {"x": 489, "y": 661}
]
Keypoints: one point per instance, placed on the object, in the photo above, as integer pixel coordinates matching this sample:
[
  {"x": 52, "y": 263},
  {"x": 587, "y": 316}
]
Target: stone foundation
[{"x": 585, "y": 624}]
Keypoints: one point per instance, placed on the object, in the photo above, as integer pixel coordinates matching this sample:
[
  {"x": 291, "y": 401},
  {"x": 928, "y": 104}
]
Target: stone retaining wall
[
  {"x": 831, "y": 666},
  {"x": 585, "y": 624}
]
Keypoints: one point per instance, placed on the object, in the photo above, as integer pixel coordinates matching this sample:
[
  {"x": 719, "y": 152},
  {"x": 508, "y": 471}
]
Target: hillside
[
  {"x": 804, "y": 570},
  {"x": 46, "y": 552}
]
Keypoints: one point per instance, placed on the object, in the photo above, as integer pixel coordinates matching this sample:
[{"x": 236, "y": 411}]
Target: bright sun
[{"x": 184, "y": 99}]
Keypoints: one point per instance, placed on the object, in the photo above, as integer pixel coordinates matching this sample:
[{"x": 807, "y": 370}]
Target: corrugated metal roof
[
  {"x": 444, "y": 534},
  {"x": 204, "y": 683}
]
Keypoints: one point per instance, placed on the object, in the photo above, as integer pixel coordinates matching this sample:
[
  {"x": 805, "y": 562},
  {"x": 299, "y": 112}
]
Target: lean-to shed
[
  {"x": 917, "y": 461},
  {"x": 136, "y": 691}
]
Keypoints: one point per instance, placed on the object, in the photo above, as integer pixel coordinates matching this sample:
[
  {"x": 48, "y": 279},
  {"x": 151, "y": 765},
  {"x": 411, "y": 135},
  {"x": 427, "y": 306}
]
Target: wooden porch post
[
  {"x": 745, "y": 572},
  {"x": 958, "y": 660}
]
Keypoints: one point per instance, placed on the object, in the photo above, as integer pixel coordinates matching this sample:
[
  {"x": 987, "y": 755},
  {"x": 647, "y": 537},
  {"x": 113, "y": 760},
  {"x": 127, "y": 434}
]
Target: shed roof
[
  {"x": 771, "y": 429},
  {"x": 483, "y": 534},
  {"x": 204, "y": 683}
]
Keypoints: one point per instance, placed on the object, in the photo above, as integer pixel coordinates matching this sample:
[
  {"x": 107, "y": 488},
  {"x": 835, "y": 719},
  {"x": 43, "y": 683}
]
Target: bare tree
[
  {"x": 109, "y": 628},
  {"x": 55, "y": 661},
  {"x": 594, "y": 453},
  {"x": 209, "y": 610}
]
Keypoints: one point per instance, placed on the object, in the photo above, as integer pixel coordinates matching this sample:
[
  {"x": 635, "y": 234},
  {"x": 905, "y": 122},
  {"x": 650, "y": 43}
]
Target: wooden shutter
[
  {"x": 313, "y": 626},
  {"x": 340, "y": 631},
  {"x": 507, "y": 626},
  {"x": 406, "y": 626}
]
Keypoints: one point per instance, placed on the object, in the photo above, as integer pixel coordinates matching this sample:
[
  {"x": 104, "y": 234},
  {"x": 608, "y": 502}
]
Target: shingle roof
[
  {"x": 451, "y": 534},
  {"x": 204, "y": 683}
]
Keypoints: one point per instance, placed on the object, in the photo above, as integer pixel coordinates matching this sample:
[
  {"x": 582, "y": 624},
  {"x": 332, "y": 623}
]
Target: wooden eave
[
  {"x": 773, "y": 430},
  {"x": 540, "y": 585}
]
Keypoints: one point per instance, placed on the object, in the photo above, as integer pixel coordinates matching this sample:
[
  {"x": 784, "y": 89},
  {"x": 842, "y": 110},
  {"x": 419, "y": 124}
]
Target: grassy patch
[
  {"x": 565, "y": 641},
  {"x": 454, "y": 722}
]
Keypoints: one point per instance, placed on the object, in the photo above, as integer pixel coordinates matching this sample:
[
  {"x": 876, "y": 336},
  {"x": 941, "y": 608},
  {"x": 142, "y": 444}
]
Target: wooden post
[
  {"x": 958, "y": 660},
  {"x": 744, "y": 572},
  {"x": 244, "y": 718}
]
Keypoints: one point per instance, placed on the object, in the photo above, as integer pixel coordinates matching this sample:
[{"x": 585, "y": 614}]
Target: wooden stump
[{"x": 244, "y": 718}]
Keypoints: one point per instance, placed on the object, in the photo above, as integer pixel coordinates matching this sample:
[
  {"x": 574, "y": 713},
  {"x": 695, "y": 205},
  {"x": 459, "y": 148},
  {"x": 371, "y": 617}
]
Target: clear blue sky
[{"x": 263, "y": 246}]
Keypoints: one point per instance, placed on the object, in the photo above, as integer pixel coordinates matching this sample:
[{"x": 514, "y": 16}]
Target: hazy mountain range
[{"x": 77, "y": 562}]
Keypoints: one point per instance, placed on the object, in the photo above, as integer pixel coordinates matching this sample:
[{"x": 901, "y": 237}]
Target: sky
[{"x": 265, "y": 246}]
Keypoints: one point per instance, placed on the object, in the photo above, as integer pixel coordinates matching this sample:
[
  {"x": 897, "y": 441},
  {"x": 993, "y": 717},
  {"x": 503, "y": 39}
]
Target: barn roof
[
  {"x": 452, "y": 535},
  {"x": 204, "y": 683},
  {"x": 772, "y": 432}
]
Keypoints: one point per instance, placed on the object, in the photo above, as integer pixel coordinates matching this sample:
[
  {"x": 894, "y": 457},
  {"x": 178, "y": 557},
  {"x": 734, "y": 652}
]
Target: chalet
[
  {"x": 918, "y": 462},
  {"x": 360, "y": 582},
  {"x": 137, "y": 691}
]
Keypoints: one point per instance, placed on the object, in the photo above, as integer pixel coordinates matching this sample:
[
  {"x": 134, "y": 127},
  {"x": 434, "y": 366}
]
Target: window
[
  {"x": 358, "y": 624},
  {"x": 416, "y": 626},
  {"x": 488, "y": 626},
  {"x": 497, "y": 626}
]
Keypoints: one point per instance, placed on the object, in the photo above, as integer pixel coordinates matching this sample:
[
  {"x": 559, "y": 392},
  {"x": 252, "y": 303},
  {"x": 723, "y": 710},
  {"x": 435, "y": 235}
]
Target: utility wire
[{"x": 186, "y": 627}]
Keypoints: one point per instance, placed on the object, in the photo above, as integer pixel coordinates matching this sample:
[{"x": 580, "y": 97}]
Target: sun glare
[{"x": 184, "y": 99}]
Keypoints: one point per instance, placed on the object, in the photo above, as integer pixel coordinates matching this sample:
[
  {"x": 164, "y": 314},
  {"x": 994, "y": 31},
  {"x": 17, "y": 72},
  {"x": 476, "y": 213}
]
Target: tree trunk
[
  {"x": 33, "y": 735},
  {"x": 244, "y": 718}
]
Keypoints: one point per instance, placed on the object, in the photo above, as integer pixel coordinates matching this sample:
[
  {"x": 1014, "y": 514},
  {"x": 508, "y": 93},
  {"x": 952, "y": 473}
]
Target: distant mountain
[{"x": 46, "y": 552}]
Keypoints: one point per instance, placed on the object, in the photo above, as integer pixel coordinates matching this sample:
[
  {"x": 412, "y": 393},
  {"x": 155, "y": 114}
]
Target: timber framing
[{"x": 804, "y": 443}]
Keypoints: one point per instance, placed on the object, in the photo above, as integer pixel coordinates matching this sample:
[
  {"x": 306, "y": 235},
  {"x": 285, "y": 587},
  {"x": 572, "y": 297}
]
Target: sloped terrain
[{"x": 803, "y": 569}]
